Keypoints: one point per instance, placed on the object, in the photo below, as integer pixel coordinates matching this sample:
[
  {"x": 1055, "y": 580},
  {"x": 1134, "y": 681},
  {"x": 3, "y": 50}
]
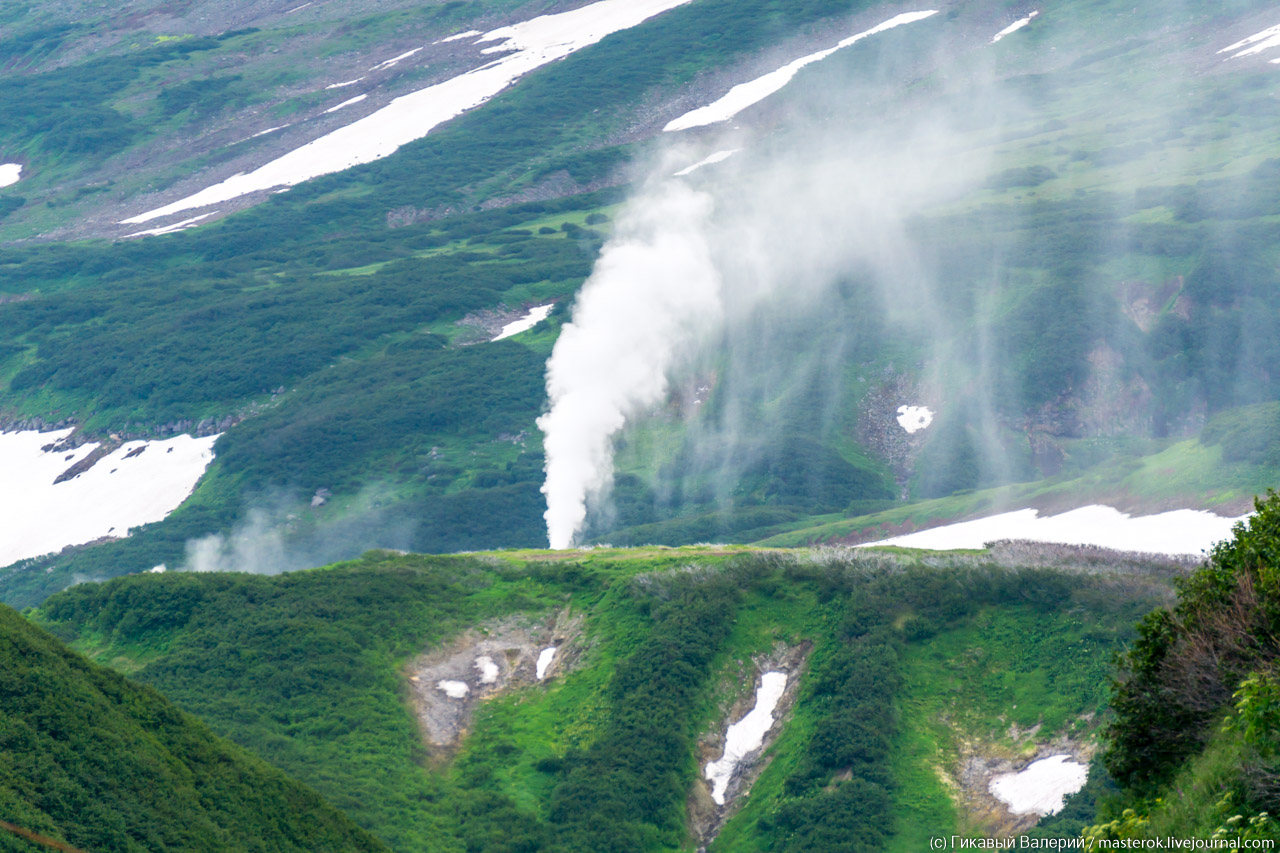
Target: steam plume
[{"x": 654, "y": 294}]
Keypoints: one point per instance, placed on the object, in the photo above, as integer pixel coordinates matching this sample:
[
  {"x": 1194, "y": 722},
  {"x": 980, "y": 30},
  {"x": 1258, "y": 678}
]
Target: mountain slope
[
  {"x": 95, "y": 761},
  {"x": 897, "y": 671},
  {"x": 1087, "y": 291}
]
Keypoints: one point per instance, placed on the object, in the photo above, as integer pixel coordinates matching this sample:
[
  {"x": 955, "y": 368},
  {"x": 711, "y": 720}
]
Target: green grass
[
  {"x": 306, "y": 670},
  {"x": 1184, "y": 473}
]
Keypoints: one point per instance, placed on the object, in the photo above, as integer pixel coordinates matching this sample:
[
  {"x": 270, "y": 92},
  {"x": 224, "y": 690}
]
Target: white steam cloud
[
  {"x": 696, "y": 269},
  {"x": 654, "y": 294}
]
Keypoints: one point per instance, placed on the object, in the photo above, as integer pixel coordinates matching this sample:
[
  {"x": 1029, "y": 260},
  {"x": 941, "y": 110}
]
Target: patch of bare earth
[
  {"x": 448, "y": 683},
  {"x": 969, "y": 783},
  {"x": 706, "y": 816}
]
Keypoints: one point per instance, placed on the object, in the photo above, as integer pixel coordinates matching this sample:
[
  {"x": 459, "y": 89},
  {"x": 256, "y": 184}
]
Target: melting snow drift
[
  {"x": 753, "y": 91},
  {"x": 1256, "y": 43},
  {"x": 139, "y": 482},
  {"x": 487, "y": 668},
  {"x": 747, "y": 735},
  {"x": 454, "y": 689},
  {"x": 545, "y": 657},
  {"x": 1014, "y": 27},
  {"x": 1182, "y": 531},
  {"x": 914, "y": 418},
  {"x": 536, "y": 315},
  {"x": 523, "y": 48},
  {"x": 348, "y": 102},
  {"x": 176, "y": 226},
  {"x": 9, "y": 173},
  {"x": 707, "y": 161},
  {"x": 1042, "y": 786}
]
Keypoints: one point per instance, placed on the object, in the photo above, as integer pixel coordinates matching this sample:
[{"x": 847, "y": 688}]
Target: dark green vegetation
[
  {"x": 92, "y": 760},
  {"x": 1077, "y": 291},
  {"x": 1196, "y": 740},
  {"x": 307, "y": 670}
]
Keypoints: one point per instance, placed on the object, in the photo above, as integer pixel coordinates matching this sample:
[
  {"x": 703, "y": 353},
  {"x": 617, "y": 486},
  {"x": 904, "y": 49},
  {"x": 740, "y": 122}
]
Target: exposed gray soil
[
  {"x": 489, "y": 660},
  {"x": 706, "y": 817},
  {"x": 980, "y": 763}
]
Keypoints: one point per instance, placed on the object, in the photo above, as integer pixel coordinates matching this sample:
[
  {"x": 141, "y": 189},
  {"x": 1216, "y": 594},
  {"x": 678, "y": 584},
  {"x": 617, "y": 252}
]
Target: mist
[
  {"x": 279, "y": 534},
  {"x": 887, "y": 236}
]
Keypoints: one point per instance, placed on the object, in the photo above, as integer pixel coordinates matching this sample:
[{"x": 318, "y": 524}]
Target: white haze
[
  {"x": 654, "y": 294},
  {"x": 689, "y": 268},
  {"x": 278, "y": 535}
]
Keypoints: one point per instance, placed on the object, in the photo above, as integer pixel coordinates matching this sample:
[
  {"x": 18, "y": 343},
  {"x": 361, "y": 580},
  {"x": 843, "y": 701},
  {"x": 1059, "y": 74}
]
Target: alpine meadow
[{"x": 639, "y": 426}]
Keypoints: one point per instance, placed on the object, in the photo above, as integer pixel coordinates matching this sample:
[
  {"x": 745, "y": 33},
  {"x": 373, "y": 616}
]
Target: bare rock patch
[{"x": 448, "y": 683}]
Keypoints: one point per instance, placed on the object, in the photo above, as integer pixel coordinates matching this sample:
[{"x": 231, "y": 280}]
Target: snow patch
[
  {"x": 139, "y": 482},
  {"x": 914, "y": 418},
  {"x": 531, "y": 44},
  {"x": 1256, "y": 43},
  {"x": 344, "y": 84},
  {"x": 395, "y": 59},
  {"x": 357, "y": 99},
  {"x": 746, "y": 735},
  {"x": 454, "y": 689},
  {"x": 1014, "y": 27},
  {"x": 9, "y": 173},
  {"x": 1041, "y": 787},
  {"x": 545, "y": 657},
  {"x": 487, "y": 668},
  {"x": 1181, "y": 531},
  {"x": 536, "y": 315},
  {"x": 459, "y": 37},
  {"x": 169, "y": 229},
  {"x": 269, "y": 130},
  {"x": 717, "y": 157},
  {"x": 752, "y": 92}
]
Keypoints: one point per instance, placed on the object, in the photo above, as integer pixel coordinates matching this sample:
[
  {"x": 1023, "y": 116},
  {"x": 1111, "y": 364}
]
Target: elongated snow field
[
  {"x": 535, "y": 315},
  {"x": 1181, "y": 531},
  {"x": 10, "y": 173},
  {"x": 747, "y": 735},
  {"x": 181, "y": 225},
  {"x": 1256, "y": 43},
  {"x": 1014, "y": 27},
  {"x": 754, "y": 91},
  {"x": 348, "y": 102},
  {"x": 523, "y": 48},
  {"x": 1041, "y": 787},
  {"x": 140, "y": 482},
  {"x": 718, "y": 157},
  {"x": 545, "y": 657}
]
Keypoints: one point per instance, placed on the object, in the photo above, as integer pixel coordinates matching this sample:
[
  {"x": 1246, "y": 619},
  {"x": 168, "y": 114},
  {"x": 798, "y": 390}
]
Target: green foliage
[
  {"x": 627, "y": 791},
  {"x": 1248, "y": 434},
  {"x": 1026, "y": 176},
  {"x": 302, "y": 669},
  {"x": 1212, "y": 656},
  {"x": 307, "y": 670},
  {"x": 67, "y": 109},
  {"x": 98, "y": 762},
  {"x": 203, "y": 97}
]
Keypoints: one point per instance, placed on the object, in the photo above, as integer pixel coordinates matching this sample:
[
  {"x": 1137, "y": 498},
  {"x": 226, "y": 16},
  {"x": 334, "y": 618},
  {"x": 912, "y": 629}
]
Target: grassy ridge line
[{"x": 305, "y": 669}]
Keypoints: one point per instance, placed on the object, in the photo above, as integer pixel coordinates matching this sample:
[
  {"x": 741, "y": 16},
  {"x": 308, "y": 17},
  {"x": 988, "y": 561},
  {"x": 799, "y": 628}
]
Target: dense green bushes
[
  {"x": 98, "y": 762},
  {"x": 1213, "y": 653},
  {"x": 627, "y": 791},
  {"x": 306, "y": 669}
]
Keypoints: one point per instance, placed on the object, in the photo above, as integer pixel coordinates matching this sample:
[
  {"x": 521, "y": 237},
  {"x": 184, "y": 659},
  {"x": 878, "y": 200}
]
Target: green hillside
[
  {"x": 1108, "y": 285},
  {"x": 1196, "y": 739},
  {"x": 907, "y": 668},
  {"x": 90, "y": 759}
]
